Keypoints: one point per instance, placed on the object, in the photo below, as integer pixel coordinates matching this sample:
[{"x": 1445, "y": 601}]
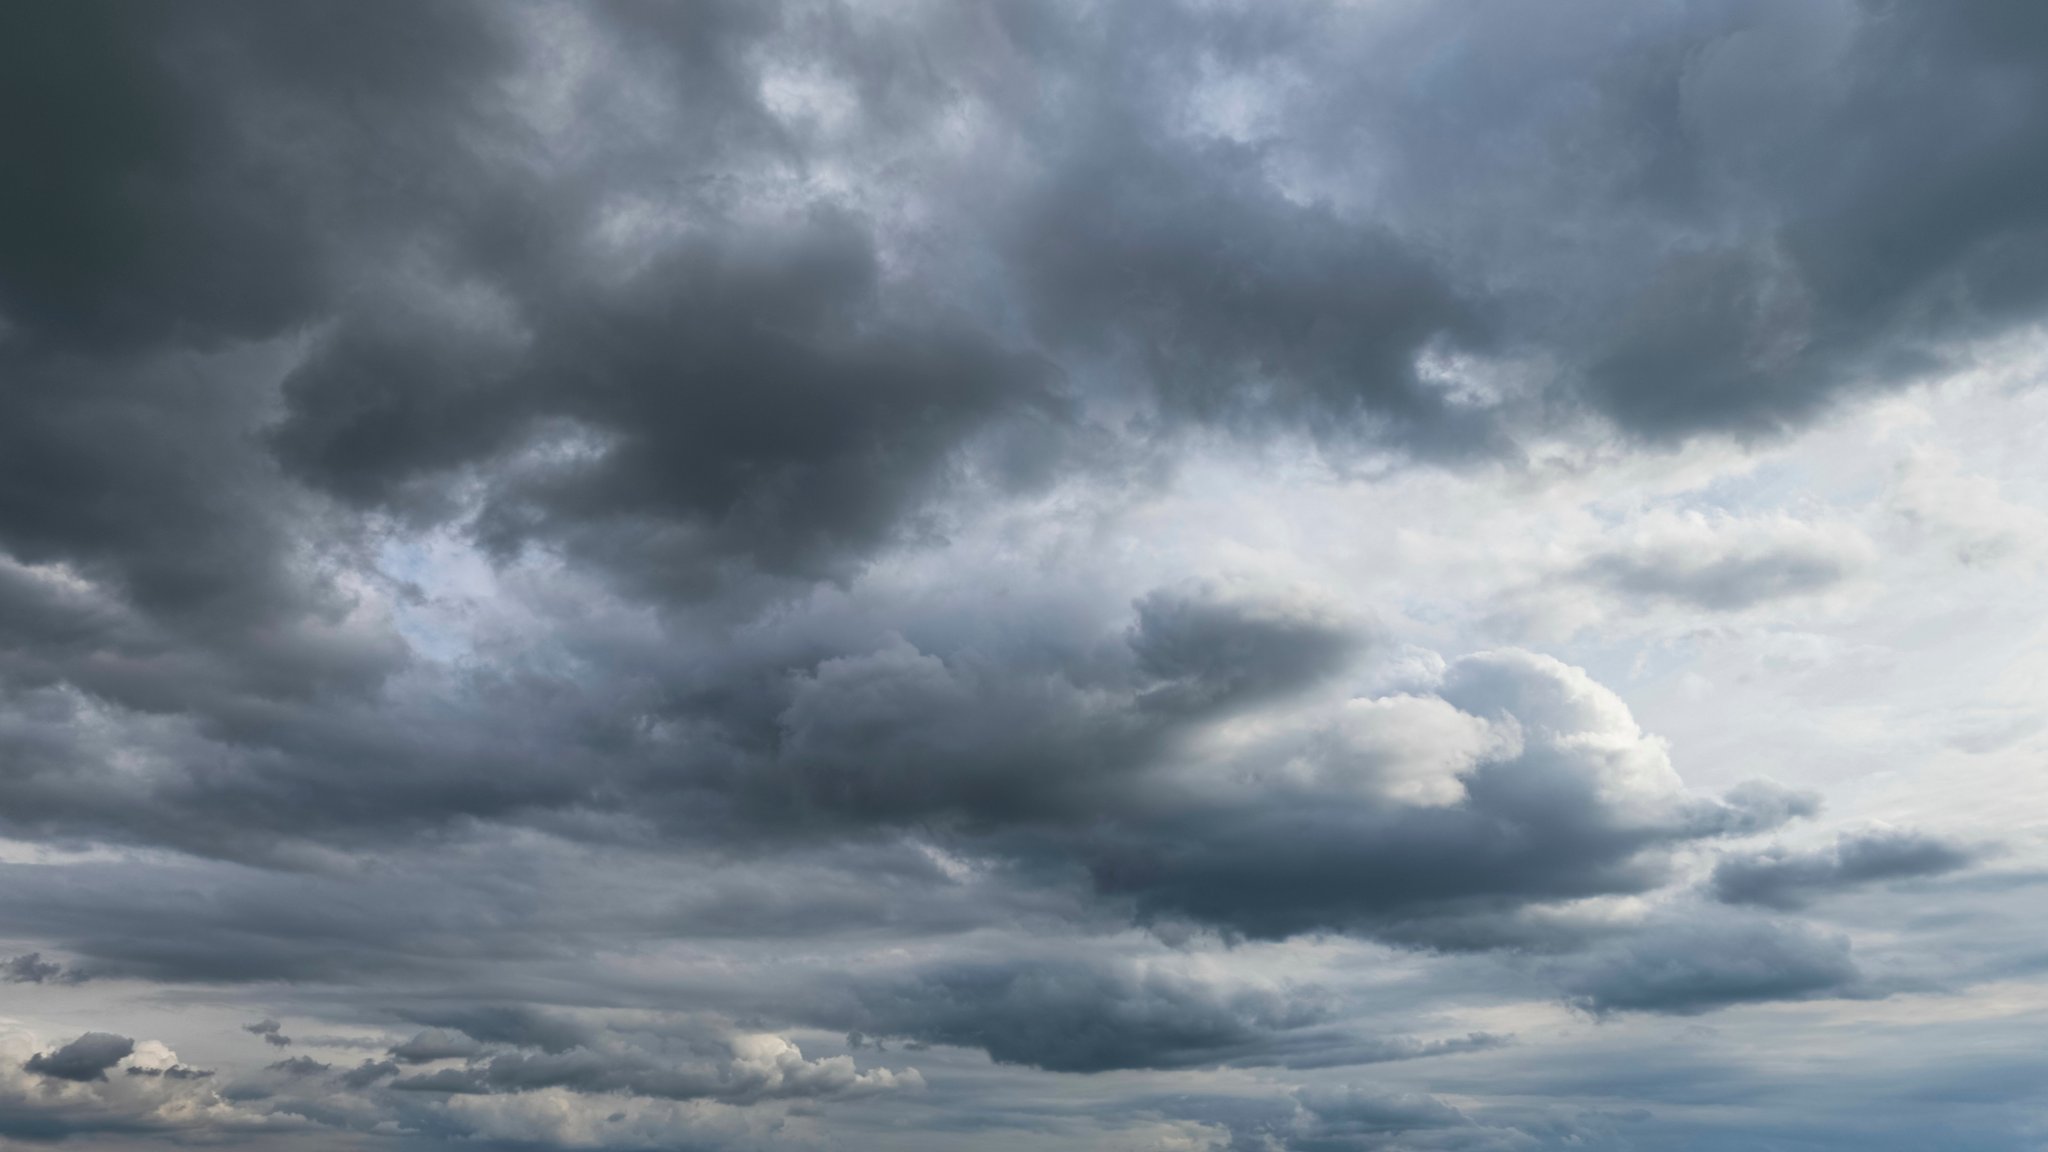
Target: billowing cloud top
[{"x": 1216, "y": 576}]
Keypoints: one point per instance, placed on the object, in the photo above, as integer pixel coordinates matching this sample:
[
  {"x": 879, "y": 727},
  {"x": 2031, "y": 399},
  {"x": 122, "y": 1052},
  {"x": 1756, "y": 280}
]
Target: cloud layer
[{"x": 1142, "y": 575}]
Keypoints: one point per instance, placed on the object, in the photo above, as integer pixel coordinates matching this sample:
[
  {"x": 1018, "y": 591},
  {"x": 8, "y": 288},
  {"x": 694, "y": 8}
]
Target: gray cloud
[
  {"x": 767, "y": 396},
  {"x": 750, "y": 401},
  {"x": 1182, "y": 260},
  {"x": 1347, "y": 1116},
  {"x": 1689, "y": 966},
  {"x": 144, "y": 233},
  {"x": 1070, "y": 1015},
  {"x": 30, "y": 968},
  {"x": 369, "y": 1072},
  {"x": 1728, "y": 566},
  {"x": 1211, "y": 648},
  {"x": 271, "y": 1031},
  {"x": 514, "y": 1024},
  {"x": 83, "y": 1059},
  {"x": 1787, "y": 880},
  {"x": 1073, "y": 1017},
  {"x": 436, "y": 1044}
]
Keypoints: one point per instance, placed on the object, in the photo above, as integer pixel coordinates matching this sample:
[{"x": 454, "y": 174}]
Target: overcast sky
[{"x": 928, "y": 575}]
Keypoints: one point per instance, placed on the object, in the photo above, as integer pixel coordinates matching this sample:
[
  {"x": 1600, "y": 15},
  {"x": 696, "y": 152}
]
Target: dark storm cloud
[
  {"x": 691, "y": 318},
  {"x": 128, "y": 228},
  {"x": 1756, "y": 269},
  {"x": 260, "y": 159},
  {"x": 86, "y": 1058},
  {"x": 757, "y": 408},
  {"x": 1734, "y": 273},
  {"x": 209, "y": 173},
  {"x": 758, "y": 394},
  {"x": 211, "y": 170},
  {"x": 731, "y": 390},
  {"x": 747, "y": 399},
  {"x": 136, "y": 481},
  {"x": 1597, "y": 191},
  {"x": 1787, "y": 880}
]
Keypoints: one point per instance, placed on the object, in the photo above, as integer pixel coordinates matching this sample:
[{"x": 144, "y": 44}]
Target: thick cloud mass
[{"x": 803, "y": 575}]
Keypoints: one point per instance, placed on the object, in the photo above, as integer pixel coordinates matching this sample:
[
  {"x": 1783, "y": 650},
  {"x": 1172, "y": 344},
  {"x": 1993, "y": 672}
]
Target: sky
[{"x": 1165, "y": 576}]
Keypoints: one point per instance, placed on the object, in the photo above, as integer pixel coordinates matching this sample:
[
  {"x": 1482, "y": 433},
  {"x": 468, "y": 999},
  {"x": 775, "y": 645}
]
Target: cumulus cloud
[
  {"x": 1551, "y": 792},
  {"x": 70, "y": 1093}
]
